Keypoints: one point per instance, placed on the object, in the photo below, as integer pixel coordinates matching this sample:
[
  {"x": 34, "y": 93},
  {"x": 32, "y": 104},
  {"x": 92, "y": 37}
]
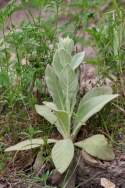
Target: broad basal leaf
[
  {"x": 29, "y": 144},
  {"x": 67, "y": 44},
  {"x": 98, "y": 147},
  {"x": 62, "y": 154},
  {"x": 69, "y": 83},
  {"x": 60, "y": 60},
  {"x": 89, "y": 108},
  {"x": 77, "y": 60},
  {"x": 54, "y": 87}
]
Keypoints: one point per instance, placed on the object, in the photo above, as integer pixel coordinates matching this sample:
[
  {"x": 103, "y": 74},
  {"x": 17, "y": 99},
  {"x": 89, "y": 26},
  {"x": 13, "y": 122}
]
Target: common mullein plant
[{"x": 62, "y": 82}]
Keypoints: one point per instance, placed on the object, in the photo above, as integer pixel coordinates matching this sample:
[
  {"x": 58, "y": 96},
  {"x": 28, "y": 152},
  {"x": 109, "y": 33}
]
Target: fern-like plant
[{"x": 62, "y": 82}]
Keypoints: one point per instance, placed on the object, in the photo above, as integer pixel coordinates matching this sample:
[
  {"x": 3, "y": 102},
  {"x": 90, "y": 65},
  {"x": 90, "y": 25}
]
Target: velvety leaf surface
[
  {"x": 60, "y": 60},
  {"x": 67, "y": 44},
  {"x": 62, "y": 154},
  {"x": 46, "y": 112},
  {"x": 29, "y": 144},
  {"x": 98, "y": 147},
  {"x": 77, "y": 60},
  {"x": 54, "y": 87},
  {"x": 64, "y": 121},
  {"x": 104, "y": 90},
  {"x": 69, "y": 83},
  {"x": 90, "y": 107}
]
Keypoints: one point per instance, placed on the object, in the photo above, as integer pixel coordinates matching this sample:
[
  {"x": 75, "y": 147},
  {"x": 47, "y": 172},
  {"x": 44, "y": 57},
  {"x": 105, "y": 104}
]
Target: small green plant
[
  {"x": 3, "y": 157},
  {"x": 109, "y": 36},
  {"x": 25, "y": 51},
  {"x": 66, "y": 114}
]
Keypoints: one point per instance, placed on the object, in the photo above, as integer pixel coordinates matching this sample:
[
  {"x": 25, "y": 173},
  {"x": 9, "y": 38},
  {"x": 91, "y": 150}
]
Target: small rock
[
  {"x": 90, "y": 53},
  {"x": 107, "y": 184},
  {"x": 88, "y": 77}
]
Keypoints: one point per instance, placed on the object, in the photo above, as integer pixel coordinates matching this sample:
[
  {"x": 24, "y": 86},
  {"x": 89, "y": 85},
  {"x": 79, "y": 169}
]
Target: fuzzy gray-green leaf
[
  {"x": 104, "y": 90},
  {"x": 54, "y": 87},
  {"x": 67, "y": 44},
  {"x": 62, "y": 154},
  {"x": 60, "y": 60},
  {"x": 69, "y": 83},
  {"x": 90, "y": 107},
  {"x": 46, "y": 112},
  {"x": 29, "y": 144},
  {"x": 98, "y": 147},
  {"x": 77, "y": 60},
  {"x": 64, "y": 119},
  {"x": 49, "y": 115}
]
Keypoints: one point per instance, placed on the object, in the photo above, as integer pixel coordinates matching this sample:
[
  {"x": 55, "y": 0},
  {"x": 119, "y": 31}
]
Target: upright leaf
[
  {"x": 64, "y": 119},
  {"x": 54, "y": 87},
  {"x": 62, "y": 154},
  {"x": 69, "y": 83},
  {"x": 67, "y": 44},
  {"x": 60, "y": 60},
  {"x": 77, "y": 60},
  {"x": 89, "y": 108}
]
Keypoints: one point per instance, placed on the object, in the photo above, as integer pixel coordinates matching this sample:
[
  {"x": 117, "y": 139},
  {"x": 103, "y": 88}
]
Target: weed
[
  {"x": 109, "y": 39},
  {"x": 62, "y": 82}
]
